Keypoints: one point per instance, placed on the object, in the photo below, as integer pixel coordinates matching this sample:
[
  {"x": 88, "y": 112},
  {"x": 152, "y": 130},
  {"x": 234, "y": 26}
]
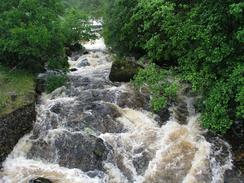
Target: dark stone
[
  {"x": 220, "y": 150},
  {"x": 164, "y": 115},
  {"x": 181, "y": 112},
  {"x": 56, "y": 108},
  {"x": 71, "y": 150},
  {"x": 76, "y": 47},
  {"x": 100, "y": 149},
  {"x": 73, "y": 69},
  {"x": 40, "y": 180},
  {"x": 68, "y": 51},
  {"x": 14, "y": 126},
  {"x": 123, "y": 71},
  {"x": 141, "y": 162},
  {"x": 234, "y": 137},
  {"x": 85, "y": 52}
]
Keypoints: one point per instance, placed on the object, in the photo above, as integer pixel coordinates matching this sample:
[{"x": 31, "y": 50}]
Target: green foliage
[
  {"x": 76, "y": 27},
  {"x": 19, "y": 83},
  {"x": 33, "y": 32},
  {"x": 93, "y": 8},
  {"x": 116, "y": 32},
  {"x": 54, "y": 82},
  {"x": 28, "y": 32},
  {"x": 204, "y": 39},
  {"x": 159, "y": 84}
]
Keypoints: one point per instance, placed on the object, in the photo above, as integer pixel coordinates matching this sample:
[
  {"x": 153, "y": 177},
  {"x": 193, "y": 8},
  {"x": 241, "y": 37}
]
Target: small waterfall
[{"x": 96, "y": 131}]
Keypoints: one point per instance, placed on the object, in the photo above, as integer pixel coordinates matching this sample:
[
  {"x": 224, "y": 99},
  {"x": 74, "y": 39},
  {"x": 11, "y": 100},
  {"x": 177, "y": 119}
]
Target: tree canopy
[
  {"x": 202, "y": 40},
  {"x": 35, "y": 32}
]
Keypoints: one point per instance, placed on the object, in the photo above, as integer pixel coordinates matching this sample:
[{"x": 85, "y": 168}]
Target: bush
[
  {"x": 204, "y": 39},
  {"x": 163, "y": 90}
]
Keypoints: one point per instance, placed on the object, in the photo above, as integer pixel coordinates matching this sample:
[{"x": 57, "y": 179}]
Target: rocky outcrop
[
  {"x": 14, "y": 126},
  {"x": 123, "y": 71}
]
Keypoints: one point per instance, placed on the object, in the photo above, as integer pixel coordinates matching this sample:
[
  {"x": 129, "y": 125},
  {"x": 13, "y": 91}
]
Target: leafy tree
[
  {"x": 34, "y": 32},
  {"x": 75, "y": 26},
  {"x": 93, "y": 8},
  {"x": 203, "y": 39}
]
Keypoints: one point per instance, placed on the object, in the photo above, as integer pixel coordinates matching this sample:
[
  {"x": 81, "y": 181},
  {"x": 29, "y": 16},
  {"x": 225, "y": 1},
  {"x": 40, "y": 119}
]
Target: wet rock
[
  {"x": 181, "y": 112},
  {"x": 163, "y": 116},
  {"x": 102, "y": 118},
  {"x": 77, "y": 47},
  {"x": 71, "y": 150},
  {"x": 68, "y": 51},
  {"x": 100, "y": 149},
  {"x": 233, "y": 176},
  {"x": 73, "y": 69},
  {"x": 40, "y": 180},
  {"x": 141, "y": 162},
  {"x": 123, "y": 71},
  {"x": 83, "y": 63},
  {"x": 14, "y": 126},
  {"x": 234, "y": 137},
  {"x": 56, "y": 108}
]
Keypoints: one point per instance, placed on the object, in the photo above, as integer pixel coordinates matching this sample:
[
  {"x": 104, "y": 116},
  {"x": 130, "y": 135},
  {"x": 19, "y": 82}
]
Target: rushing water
[{"x": 96, "y": 131}]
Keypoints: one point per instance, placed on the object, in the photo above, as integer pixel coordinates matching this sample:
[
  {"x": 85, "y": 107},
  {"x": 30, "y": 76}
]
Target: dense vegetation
[
  {"x": 202, "y": 41},
  {"x": 93, "y": 8},
  {"x": 35, "y": 32}
]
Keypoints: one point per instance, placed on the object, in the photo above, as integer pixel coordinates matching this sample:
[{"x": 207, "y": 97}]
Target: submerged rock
[
  {"x": 40, "y": 180},
  {"x": 123, "y": 71},
  {"x": 83, "y": 63}
]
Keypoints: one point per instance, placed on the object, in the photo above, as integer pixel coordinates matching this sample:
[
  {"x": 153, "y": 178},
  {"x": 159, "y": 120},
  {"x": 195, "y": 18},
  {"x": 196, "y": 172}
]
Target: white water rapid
[{"x": 96, "y": 131}]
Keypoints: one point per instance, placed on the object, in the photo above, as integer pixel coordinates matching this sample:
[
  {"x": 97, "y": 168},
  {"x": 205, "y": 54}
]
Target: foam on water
[{"x": 172, "y": 153}]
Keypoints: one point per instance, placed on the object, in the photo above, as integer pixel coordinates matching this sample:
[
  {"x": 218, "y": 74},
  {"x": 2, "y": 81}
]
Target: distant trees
[
  {"x": 34, "y": 32},
  {"x": 93, "y": 8},
  {"x": 202, "y": 39}
]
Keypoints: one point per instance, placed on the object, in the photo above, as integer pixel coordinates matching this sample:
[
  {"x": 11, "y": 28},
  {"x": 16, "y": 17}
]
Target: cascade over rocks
[{"x": 95, "y": 130}]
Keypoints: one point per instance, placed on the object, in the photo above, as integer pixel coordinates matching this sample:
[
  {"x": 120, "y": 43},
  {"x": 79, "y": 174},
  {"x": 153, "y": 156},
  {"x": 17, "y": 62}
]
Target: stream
[{"x": 96, "y": 131}]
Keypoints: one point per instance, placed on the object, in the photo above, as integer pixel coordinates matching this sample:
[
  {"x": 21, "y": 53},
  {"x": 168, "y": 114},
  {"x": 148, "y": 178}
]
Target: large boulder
[
  {"x": 123, "y": 71},
  {"x": 71, "y": 150}
]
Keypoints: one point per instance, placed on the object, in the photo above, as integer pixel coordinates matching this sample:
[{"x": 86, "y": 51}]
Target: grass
[{"x": 19, "y": 83}]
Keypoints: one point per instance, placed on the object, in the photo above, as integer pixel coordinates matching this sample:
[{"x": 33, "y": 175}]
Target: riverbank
[
  {"x": 17, "y": 90},
  {"x": 17, "y": 107}
]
